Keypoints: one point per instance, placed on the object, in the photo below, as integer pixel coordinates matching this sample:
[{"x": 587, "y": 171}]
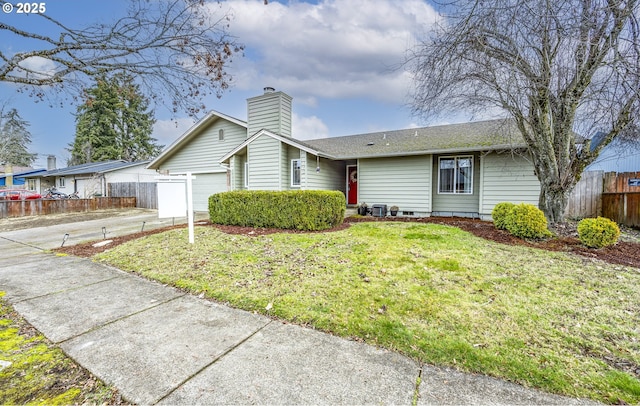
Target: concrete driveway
[{"x": 158, "y": 345}]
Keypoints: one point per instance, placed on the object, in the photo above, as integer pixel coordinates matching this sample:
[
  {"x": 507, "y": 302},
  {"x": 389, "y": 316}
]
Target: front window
[
  {"x": 61, "y": 182},
  {"x": 295, "y": 172},
  {"x": 455, "y": 175},
  {"x": 31, "y": 184}
]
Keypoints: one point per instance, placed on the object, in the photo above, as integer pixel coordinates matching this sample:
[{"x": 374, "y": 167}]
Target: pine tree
[
  {"x": 114, "y": 122},
  {"x": 14, "y": 139}
]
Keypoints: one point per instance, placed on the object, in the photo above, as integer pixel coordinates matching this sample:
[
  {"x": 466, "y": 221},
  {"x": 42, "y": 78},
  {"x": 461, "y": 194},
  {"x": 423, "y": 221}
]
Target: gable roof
[
  {"x": 91, "y": 167},
  {"x": 190, "y": 133},
  {"x": 288, "y": 140},
  {"x": 465, "y": 137}
]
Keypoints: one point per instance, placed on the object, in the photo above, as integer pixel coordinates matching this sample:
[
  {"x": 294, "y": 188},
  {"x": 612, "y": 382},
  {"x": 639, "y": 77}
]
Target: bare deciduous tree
[
  {"x": 174, "y": 48},
  {"x": 563, "y": 70}
]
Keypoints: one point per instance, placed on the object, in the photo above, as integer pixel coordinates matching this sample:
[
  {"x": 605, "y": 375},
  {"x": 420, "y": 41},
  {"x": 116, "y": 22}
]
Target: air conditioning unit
[{"x": 379, "y": 210}]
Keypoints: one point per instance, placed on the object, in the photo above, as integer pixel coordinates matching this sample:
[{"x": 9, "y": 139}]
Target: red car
[{"x": 19, "y": 194}]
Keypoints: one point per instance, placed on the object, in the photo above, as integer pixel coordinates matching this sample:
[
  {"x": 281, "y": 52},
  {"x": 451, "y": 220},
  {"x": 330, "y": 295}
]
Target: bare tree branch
[
  {"x": 177, "y": 50},
  {"x": 563, "y": 70}
]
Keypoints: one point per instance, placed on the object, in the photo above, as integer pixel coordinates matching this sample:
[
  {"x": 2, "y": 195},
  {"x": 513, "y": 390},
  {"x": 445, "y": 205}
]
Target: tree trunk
[{"x": 553, "y": 200}]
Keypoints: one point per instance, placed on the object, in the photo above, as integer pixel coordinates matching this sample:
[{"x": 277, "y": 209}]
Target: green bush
[
  {"x": 599, "y": 232},
  {"x": 296, "y": 209},
  {"x": 499, "y": 214},
  {"x": 527, "y": 221}
]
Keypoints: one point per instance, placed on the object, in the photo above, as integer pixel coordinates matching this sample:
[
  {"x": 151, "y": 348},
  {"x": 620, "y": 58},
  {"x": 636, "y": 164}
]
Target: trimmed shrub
[
  {"x": 499, "y": 214},
  {"x": 309, "y": 210},
  {"x": 598, "y": 233},
  {"x": 527, "y": 221}
]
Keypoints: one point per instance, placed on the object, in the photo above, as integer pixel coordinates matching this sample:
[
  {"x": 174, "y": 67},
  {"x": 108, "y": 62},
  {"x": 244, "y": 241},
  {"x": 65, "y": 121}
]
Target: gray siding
[
  {"x": 507, "y": 178},
  {"x": 331, "y": 176},
  {"x": 204, "y": 185},
  {"x": 456, "y": 203},
  {"x": 204, "y": 150},
  {"x": 270, "y": 111},
  {"x": 287, "y": 153},
  {"x": 403, "y": 181},
  {"x": 265, "y": 167},
  {"x": 236, "y": 165}
]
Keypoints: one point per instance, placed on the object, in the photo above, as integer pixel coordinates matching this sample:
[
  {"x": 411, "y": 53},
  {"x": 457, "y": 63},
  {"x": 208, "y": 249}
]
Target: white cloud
[
  {"x": 37, "y": 66},
  {"x": 308, "y": 128},
  {"x": 333, "y": 49},
  {"x": 167, "y": 131}
]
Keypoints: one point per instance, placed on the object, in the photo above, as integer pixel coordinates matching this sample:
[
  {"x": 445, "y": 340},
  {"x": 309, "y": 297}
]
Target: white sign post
[{"x": 175, "y": 197}]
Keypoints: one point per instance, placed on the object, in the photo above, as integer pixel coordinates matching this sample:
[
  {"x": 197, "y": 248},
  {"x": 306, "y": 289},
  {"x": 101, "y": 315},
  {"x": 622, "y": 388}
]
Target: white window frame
[
  {"x": 455, "y": 174},
  {"x": 61, "y": 181},
  {"x": 221, "y": 134},
  {"x": 293, "y": 162}
]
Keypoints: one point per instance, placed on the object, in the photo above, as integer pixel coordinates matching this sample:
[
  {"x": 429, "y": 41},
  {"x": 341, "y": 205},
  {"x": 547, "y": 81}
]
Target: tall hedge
[{"x": 296, "y": 209}]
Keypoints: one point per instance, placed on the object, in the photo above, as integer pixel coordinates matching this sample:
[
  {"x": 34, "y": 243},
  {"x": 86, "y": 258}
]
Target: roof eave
[
  {"x": 432, "y": 152},
  {"x": 286, "y": 140},
  {"x": 194, "y": 129}
]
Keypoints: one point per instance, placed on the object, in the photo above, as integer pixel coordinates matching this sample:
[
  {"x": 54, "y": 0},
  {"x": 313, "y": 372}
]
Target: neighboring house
[
  {"x": 23, "y": 179},
  {"x": 459, "y": 169},
  {"x": 617, "y": 157},
  {"x": 91, "y": 179}
]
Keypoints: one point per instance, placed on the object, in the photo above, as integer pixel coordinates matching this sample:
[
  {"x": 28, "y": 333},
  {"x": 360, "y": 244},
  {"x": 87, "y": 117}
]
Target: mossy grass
[
  {"x": 543, "y": 319},
  {"x": 38, "y": 373}
]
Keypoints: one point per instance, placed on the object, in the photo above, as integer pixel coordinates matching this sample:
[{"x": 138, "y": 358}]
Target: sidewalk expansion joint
[
  {"x": 23, "y": 243},
  {"x": 122, "y": 318},
  {"x": 416, "y": 392},
  {"x": 57, "y": 292},
  {"x": 216, "y": 359}
]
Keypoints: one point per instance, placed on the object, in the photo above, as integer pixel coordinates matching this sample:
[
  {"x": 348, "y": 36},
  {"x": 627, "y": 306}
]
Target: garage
[{"x": 206, "y": 184}]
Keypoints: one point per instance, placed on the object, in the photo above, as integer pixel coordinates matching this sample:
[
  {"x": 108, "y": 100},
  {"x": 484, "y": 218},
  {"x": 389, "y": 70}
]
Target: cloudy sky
[{"x": 340, "y": 60}]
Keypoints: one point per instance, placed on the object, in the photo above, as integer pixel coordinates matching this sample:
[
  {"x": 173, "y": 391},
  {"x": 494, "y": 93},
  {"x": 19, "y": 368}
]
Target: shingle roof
[
  {"x": 23, "y": 174},
  {"x": 476, "y": 136},
  {"x": 92, "y": 167}
]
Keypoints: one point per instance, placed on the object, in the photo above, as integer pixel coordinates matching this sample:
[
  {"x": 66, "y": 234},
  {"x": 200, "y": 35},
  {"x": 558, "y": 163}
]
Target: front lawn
[{"x": 548, "y": 320}]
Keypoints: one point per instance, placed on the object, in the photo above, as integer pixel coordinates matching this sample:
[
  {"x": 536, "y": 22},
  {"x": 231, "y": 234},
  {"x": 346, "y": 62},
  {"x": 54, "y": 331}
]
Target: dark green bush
[
  {"x": 527, "y": 221},
  {"x": 499, "y": 214},
  {"x": 599, "y": 232},
  {"x": 296, "y": 209}
]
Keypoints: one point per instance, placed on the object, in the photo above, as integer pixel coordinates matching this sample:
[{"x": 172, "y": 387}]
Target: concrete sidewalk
[{"x": 158, "y": 345}]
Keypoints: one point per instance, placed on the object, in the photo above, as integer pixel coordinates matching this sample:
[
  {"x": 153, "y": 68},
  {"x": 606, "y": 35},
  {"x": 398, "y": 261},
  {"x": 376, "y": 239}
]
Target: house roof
[
  {"x": 466, "y": 137},
  {"x": 22, "y": 174},
  {"x": 288, "y": 140},
  {"x": 92, "y": 167},
  {"x": 190, "y": 133},
  {"x": 452, "y": 138}
]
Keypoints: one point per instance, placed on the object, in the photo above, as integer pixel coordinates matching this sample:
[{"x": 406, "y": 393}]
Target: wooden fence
[
  {"x": 621, "y": 198},
  {"x": 586, "y": 199},
  {"x": 37, "y": 207},
  {"x": 146, "y": 193},
  {"x": 612, "y": 195}
]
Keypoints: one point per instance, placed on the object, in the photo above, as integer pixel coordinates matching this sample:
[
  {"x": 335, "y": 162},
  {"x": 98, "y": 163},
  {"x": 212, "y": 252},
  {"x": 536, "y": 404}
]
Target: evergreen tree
[
  {"x": 114, "y": 122},
  {"x": 14, "y": 139}
]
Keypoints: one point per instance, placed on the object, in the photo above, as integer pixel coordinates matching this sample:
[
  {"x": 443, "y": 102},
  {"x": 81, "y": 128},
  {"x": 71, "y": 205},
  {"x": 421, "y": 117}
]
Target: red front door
[{"x": 352, "y": 185}]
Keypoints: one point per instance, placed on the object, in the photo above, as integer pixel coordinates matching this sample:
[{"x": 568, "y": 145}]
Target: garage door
[{"x": 206, "y": 184}]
